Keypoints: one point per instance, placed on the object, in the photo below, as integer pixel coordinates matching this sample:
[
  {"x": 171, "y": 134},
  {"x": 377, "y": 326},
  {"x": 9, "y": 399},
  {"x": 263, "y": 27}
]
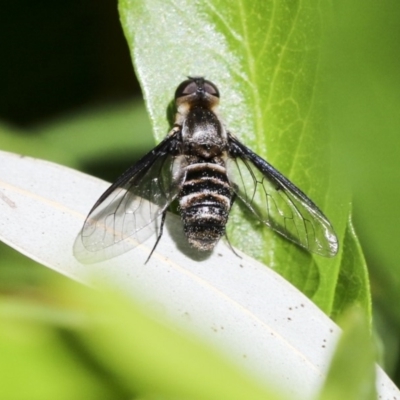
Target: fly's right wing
[
  {"x": 278, "y": 203},
  {"x": 130, "y": 210}
]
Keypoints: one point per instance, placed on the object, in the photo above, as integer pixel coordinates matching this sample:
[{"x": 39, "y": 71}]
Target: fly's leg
[
  {"x": 164, "y": 214},
  {"x": 230, "y": 245},
  {"x": 226, "y": 235}
]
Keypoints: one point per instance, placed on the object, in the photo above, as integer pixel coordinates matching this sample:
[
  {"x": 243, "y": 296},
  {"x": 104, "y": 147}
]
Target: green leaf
[
  {"x": 353, "y": 283},
  {"x": 352, "y": 371},
  {"x": 264, "y": 57},
  {"x": 365, "y": 103}
]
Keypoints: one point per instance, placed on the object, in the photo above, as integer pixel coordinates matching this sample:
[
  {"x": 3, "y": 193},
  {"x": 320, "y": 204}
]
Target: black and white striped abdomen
[{"x": 204, "y": 203}]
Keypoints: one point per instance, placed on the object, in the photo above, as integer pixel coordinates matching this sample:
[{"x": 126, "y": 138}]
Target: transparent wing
[
  {"x": 278, "y": 203},
  {"x": 130, "y": 210}
]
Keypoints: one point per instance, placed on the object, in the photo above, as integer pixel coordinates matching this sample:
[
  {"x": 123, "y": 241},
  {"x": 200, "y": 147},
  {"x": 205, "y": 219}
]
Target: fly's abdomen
[{"x": 204, "y": 203}]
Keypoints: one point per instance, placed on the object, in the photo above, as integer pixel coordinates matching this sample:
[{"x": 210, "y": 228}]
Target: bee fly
[{"x": 205, "y": 168}]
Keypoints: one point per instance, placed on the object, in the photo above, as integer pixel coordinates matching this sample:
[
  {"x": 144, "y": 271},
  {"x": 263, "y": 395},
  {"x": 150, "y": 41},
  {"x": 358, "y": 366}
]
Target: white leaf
[{"x": 251, "y": 314}]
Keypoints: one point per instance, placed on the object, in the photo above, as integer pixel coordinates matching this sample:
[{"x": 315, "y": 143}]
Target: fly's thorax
[{"x": 203, "y": 133}]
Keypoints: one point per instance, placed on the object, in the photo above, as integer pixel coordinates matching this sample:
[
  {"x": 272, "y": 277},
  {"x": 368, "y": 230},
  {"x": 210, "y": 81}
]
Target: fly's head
[{"x": 196, "y": 92}]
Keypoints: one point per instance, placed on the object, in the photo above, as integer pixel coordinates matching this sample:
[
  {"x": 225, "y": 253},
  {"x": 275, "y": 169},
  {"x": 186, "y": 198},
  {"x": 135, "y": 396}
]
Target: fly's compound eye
[
  {"x": 186, "y": 88},
  {"x": 198, "y": 86},
  {"x": 211, "y": 89}
]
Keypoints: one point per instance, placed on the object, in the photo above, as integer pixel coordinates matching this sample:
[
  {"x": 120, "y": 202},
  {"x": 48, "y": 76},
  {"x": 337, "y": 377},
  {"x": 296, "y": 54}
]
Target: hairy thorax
[{"x": 203, "y": 134}]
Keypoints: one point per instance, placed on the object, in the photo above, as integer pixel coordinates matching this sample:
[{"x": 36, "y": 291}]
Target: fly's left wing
[
  {"x": 130, "y": 210},
  {"x": 277, "y": 202}
]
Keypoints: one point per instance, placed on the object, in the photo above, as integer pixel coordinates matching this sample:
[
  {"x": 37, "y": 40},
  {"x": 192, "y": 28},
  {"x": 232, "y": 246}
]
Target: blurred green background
[{"x": 69, "y": 95}]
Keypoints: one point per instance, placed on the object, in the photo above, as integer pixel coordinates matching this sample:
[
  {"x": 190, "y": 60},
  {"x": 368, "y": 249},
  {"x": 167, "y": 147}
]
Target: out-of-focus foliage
[
  {"x": 363, "y": 69},
  {"x": 67, "y": 341},
  {"x": 94, "y": 140},
  {"x": 63, "y": 340},
  {"x": 352, "y": 374}
]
